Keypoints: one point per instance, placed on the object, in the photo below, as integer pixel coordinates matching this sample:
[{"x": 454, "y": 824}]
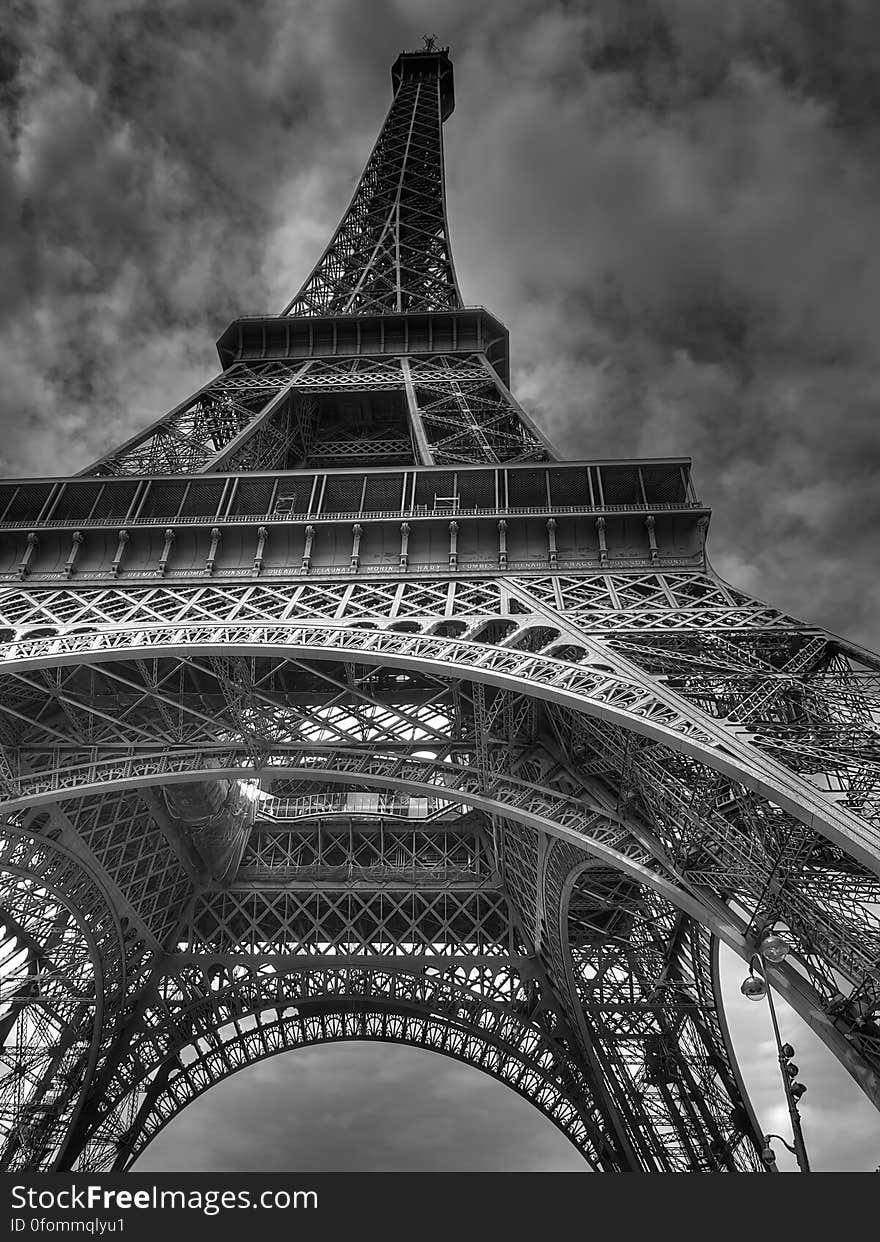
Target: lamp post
[
  {"x": 774, "y": 948},
  {"x": 768, "y": 1155}
]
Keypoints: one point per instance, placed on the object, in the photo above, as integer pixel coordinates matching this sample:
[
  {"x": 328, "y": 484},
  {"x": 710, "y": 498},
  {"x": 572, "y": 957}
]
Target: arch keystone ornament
[{"x": 333, "y": 705}]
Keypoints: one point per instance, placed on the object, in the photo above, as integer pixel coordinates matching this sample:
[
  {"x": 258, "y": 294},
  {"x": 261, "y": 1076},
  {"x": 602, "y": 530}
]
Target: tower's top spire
[{"x": 391, "y": 250}]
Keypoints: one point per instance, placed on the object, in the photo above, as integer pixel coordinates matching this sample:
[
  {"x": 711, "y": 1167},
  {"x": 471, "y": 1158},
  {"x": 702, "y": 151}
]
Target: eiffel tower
[{"x": 336, "y": 707}]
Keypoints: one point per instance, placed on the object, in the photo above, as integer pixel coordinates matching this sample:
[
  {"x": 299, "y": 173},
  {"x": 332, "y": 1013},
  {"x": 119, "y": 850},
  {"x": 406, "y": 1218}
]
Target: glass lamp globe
[
  {"x": 753, "y": 987},
  {"x": 774, "y": 948}
]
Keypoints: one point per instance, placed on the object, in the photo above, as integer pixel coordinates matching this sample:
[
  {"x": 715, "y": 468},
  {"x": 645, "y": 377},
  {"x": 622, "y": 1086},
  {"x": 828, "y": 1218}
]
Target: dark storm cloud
[
  {"x": 693, "y": 264},
  {"x": 673, "y": 206},
  {"x": 149, "y": 152}
]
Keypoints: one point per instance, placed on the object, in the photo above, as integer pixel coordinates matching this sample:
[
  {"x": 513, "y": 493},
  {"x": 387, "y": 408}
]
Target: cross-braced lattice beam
[
  {"x": 62, "y": 978},
  {"x": 391, "y": 251}
]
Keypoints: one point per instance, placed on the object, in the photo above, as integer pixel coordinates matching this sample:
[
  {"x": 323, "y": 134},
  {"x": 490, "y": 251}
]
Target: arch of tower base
[
  {"x": 518, "y": 1054},
  {"x": 508, "y": 1031},
  {"x": 499, "y": 1015}
]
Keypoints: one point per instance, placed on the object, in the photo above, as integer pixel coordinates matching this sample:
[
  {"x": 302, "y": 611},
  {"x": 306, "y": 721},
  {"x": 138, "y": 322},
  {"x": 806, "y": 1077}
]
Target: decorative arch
[
  {"x": 541, "y": 1093},
  {"x": 519, "y": 1043},
  {"x": 413, "y": 778},
  {"x": 607, "y": 687}
]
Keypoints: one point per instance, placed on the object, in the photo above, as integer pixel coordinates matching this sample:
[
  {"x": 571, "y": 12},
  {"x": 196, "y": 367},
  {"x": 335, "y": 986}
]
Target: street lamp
[
  {"x": 753, "y": 987},
  {"x": 774, "y": 949},
  {"x": 768, "y": 1155}
]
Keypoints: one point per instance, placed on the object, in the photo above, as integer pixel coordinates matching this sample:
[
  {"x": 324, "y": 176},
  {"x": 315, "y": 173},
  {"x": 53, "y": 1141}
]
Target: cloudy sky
[{"x": 671, "y": 203}]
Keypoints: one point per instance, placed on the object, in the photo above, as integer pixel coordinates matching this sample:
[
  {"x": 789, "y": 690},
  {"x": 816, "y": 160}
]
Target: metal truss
[
  {"x": 466, "y": 414},
  {"x": 616, "y": 688},
  {"x": 391, "y": 251},
  {"x": 600, "y": 604},
  {"x": 199, "y": 431},
  {"x": 638, "y": 979},
  {"x": 548, "y": 732},
  {"x": 202, "y": 1024},
  {"x": 62, "y": 974},
  {"x": 266, "y": 416},
  {"x": 505, "y": 816}
]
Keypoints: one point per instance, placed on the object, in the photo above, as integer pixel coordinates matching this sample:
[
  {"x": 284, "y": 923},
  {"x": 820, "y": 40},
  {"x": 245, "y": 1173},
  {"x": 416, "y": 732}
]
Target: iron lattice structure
[{"x": 335, "y": 707}]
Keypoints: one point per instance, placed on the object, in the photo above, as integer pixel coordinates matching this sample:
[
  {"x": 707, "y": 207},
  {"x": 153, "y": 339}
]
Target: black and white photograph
[{"x": 439, "y": 582}]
